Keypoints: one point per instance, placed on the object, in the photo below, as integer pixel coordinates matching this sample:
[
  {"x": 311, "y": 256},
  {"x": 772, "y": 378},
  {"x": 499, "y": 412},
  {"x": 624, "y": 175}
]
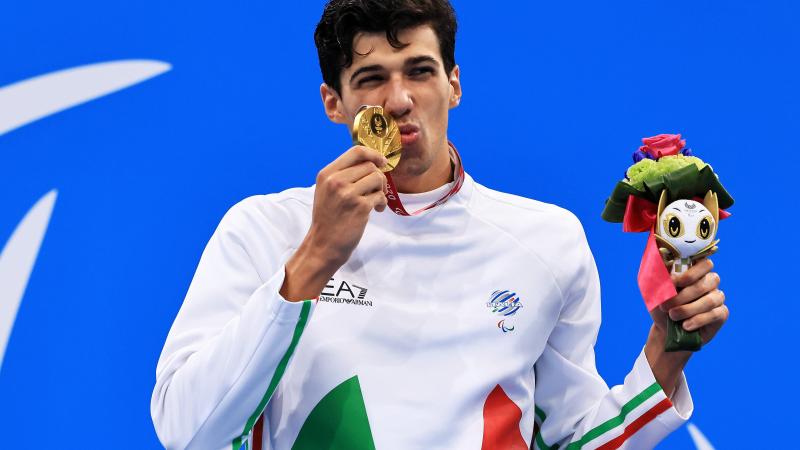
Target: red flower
[{"x": 663, "y": 145}]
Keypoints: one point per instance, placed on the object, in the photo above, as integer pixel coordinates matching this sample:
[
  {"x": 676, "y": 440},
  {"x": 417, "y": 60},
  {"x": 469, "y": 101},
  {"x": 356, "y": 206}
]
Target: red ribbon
[
  {"x": 655, "y": 282},
  {"x": 393, "y": 197}
]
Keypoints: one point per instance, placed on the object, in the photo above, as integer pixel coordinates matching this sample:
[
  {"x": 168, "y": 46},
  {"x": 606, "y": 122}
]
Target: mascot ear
[
  {"x": 712, "y": 205},
  {"x": 662, "y": 203}
]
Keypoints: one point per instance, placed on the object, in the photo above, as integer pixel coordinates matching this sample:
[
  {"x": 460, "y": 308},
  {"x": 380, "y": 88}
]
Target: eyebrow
[
  {"x": 676, "y": 209},
  {"x": 419, "y": 60},
  {"x": 408, "y": 62}
]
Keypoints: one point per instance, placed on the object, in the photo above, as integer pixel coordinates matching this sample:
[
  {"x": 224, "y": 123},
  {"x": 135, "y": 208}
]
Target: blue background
[{"x": 145, "y": 174}]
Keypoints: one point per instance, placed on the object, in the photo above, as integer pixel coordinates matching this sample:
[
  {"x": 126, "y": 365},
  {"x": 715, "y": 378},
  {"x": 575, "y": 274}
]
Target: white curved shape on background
[
  {"x": 16, "y": 263},
  {"x": 29, "y": 100},
  {"x": 698, "y": 438}
]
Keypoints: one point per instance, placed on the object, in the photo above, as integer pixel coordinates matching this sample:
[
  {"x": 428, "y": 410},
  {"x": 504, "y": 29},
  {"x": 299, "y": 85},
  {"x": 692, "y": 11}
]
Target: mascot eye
[
  {"x": 704, "y": 228},
  {"x": 673, "y": 226}
]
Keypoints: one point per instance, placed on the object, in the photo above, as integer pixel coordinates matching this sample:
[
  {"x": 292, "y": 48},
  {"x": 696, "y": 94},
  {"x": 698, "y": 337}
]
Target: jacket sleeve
[
  {"x": 232, "y": 339},
  {"x": 575, "y": 409}
]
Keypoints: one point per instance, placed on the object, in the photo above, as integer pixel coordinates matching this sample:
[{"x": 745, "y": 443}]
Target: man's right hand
[{"x": 347, "y": 190}]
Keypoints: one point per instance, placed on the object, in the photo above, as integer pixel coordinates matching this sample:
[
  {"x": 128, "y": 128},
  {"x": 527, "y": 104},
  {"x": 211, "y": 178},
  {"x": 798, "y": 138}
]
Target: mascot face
[{"x": 688, "y": 225}]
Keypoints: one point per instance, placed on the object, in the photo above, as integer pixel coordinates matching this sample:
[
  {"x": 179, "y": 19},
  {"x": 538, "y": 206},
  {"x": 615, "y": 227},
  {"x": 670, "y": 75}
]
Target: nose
[{"x": 399, "y": 101}]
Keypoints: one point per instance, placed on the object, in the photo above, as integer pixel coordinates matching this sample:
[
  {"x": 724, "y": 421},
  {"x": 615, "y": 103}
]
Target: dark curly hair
[{"x": 343, "y": 19}]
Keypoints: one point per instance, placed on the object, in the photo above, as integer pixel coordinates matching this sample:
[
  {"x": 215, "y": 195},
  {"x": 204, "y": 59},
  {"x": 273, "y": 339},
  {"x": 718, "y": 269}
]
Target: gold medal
[{"x": 378, "y": 131}]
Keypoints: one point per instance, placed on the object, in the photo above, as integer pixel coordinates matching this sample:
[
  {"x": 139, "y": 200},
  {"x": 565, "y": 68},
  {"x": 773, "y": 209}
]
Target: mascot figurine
[
  {"x": 686, "y": 230},
  {"x": 678, "y": 199}
]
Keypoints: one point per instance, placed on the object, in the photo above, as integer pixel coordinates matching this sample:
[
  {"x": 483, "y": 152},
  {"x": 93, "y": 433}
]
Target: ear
[
  {"x": 332, "y": 102},
  {"x": 455, "y": 86},
  {"x": 662, "y": 203},
  {"x": 712, "y": 205}
]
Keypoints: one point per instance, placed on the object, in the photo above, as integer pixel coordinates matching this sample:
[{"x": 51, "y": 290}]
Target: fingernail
[{"x": 688, "y": 325}]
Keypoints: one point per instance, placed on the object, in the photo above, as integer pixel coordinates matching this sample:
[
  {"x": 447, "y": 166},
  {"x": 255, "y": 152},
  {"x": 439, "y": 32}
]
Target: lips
[{"x": 408, "y": 134}]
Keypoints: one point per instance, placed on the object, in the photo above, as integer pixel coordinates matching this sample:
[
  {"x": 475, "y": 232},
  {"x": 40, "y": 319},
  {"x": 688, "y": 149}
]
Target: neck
[{"x": 438, "y": 174}]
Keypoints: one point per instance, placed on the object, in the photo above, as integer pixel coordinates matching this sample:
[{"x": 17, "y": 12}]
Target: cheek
[
  {"x": 438, "y": 97},
  {"x": 440, "y": 109},
  {"x": 353, "y": 104}
]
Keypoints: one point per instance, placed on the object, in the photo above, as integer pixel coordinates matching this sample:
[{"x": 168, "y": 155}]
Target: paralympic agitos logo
[
  {"x": 504, "y": 304},
  {"x": 344, "y": 292}
]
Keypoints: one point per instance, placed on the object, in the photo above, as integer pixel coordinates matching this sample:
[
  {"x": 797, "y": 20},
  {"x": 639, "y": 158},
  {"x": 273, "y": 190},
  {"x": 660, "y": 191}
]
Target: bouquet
[{"x": 677, "y": 198}]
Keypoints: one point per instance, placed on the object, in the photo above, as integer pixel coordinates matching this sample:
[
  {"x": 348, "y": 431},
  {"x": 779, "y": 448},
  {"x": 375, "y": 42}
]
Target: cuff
[
  {"x": 682, "y": 404},
  {"x": 681, "y": 407},
  {"x": 279, "y": 309}
]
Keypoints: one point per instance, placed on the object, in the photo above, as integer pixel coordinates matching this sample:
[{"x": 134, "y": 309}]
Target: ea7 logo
[{"x": 344, "y": 292}]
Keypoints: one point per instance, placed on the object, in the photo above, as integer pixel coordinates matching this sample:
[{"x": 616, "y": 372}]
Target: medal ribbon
[{"x": 393, "y": 196}]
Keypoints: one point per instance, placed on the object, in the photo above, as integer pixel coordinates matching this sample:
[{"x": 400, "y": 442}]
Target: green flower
[
  {"x": 685, "y": 182},
  {"x": 648, "y": 170}
]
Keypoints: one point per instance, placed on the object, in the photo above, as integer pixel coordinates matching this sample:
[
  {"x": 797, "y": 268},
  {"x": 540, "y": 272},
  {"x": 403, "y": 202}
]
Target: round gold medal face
[{"x": 378, "y": 131}]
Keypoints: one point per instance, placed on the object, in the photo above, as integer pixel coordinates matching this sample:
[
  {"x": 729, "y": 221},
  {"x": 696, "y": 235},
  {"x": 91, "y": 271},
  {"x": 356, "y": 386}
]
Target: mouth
[
  {"x": 690, "y": 242},
  {"x": 408, "y": 134}
]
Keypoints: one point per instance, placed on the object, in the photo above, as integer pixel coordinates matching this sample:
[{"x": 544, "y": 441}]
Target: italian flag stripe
[
  {"x": 276, "y": 377},
  {"x": 539, "y": 418},
  {"x": 539, "y": 413},
  {"x": 637, "y": 424},
  {"x": 615, "y": 421},
  {"x": 540, "y": 443}
]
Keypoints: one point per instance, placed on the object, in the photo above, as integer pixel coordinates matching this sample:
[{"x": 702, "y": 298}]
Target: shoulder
[
  {"x": 550, "y": 233},
  {"x": 525, "y": 218},
  {"x": 281, "y": 213}
]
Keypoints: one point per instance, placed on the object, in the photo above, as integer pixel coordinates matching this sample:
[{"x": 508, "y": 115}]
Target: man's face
[{"x": 410, "y": 84}]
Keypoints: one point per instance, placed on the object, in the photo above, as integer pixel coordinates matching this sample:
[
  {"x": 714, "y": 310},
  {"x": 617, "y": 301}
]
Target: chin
[{"x": 410, "y": 167}]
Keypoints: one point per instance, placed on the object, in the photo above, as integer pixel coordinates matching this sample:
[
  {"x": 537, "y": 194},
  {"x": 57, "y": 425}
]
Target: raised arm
[
  {"x": 574, "y": 407},
  {"x": 248, "y": 304}
]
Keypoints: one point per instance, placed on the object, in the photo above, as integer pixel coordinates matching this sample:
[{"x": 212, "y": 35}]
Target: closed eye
[
  {"x": 421, "y": 71},
  {"x": 372, "y": 79}
]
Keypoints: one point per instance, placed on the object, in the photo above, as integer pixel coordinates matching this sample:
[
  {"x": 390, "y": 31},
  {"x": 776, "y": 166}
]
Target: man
[{"x": 319, "y": 318}]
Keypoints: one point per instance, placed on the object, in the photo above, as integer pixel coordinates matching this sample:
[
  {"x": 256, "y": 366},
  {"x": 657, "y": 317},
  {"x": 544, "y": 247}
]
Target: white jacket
[{"x": 470, "y": 326}]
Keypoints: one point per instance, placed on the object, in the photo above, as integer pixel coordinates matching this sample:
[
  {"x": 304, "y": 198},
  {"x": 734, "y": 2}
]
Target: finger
[
  {"x": 358, "y": 171},
  {"x": 372, "y": 182},
  {"x": 378, "y": 201},
  {"x": 717, "y": 315},
  {"x": 704, "y": 304},
  {"x": 355, "y": 155},
  {"x": 689, "y": 294},
  {"x": 696, "y": 272}
]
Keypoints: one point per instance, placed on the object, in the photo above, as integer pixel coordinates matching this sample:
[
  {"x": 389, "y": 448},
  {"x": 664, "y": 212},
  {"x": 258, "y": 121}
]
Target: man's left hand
[{"x": 699, "y": 303}]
